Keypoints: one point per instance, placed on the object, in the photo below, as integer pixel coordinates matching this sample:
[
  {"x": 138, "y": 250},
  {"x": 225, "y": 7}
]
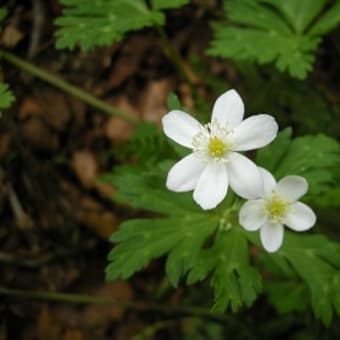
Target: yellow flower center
[
  {"x": 217, "y": 147},
  {"x": 277, "y": 208}
]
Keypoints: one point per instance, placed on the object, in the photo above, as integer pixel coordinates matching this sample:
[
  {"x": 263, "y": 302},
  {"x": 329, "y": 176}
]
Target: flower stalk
[{"x": 66, "y": 87}]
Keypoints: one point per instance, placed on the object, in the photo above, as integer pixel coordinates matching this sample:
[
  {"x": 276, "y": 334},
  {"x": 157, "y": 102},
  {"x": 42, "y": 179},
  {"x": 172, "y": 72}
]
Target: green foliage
[
  {"x": 98, "y": 23},
  {"x": 284, "y": 32},
  {"x": 182, "y": 235},
  {"x": 6, "y": 96},
  {"x": 234, "y": 280},
  {"x": 313, "y": 157},
  {"x": 173, "y": 102},
  {"x": 166, "y": 4},
  {"x": 3, "y": 13},
  {"x": 316, "y": 260},
  {"x": 147, "y": 145},
  {"x": 286, "y": 296}
]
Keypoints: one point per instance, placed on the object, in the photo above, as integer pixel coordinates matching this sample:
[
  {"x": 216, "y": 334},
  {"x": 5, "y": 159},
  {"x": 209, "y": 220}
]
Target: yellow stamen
[
  {"x": 276, "y": 208},
  {"x": 216, "y": 147}
]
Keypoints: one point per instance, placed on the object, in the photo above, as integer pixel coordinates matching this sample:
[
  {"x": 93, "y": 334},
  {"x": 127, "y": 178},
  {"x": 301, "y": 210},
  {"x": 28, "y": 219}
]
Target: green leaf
[
  {"x": 146, "y": 190},
  {"x": 144, "y": 240},
  {"x": 287, "y": 296},
  {"x": 316, "y": 260},
  {"x": 147, "y": 144},
  {"x": 235, "y": 282},
  {"x": 173, "y": 102},
  {"x": 328, "y": 21},
  {"x": 166, "y": 4},
  {"x": 183, "y": 235},
  {"x": 280, "y": 32},
  {"x": 6, "y": 96},
  {"x": 299, "y": 13},
  {"x": 102, "y": 22},
  {"x": 312, "y": 157}
]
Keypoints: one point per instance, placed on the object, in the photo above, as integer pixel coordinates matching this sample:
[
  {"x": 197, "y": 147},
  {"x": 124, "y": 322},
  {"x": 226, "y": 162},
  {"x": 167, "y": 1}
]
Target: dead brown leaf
[
  {"x": 85, "y": 165},
  {"x": 153, "y": 99},
  {"x": 89, "y": 212},
  {"x": 117, "y": 129}
]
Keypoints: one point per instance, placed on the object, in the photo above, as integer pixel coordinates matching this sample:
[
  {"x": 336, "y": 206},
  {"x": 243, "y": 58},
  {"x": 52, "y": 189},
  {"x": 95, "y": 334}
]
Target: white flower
[
  {"x": 277, "y": 206},
  {"x": 215, "y": 163}
]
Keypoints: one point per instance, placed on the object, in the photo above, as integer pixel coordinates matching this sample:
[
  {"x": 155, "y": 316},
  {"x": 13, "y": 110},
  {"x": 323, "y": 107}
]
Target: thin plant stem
[
  {"x": 88, "y": 299},
  {"x": 66, "y": 87},
  {"x": 183, "y": 69}
]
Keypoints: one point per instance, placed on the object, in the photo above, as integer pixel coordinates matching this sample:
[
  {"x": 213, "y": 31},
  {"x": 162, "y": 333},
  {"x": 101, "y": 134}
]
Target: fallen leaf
[
  {"x": 153, "y": 99},
  {"x": 85, "y": 166},
  {"x": 117, "y": 129}
]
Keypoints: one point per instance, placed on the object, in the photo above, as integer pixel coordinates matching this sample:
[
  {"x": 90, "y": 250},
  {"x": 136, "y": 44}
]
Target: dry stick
[
  {"x": 86, "y": 299},
  {"x": 66, "y": 87}
]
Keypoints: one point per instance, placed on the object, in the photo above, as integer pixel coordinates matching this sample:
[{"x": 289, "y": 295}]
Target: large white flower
[
  {"x": 215, "y": 163},
  {"x": 277, "y": 206}
]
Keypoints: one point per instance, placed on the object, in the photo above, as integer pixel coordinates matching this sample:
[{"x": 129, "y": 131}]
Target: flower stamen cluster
[
  {"x": 213, "y": 142},
  {"x": 276, "y": 208}
]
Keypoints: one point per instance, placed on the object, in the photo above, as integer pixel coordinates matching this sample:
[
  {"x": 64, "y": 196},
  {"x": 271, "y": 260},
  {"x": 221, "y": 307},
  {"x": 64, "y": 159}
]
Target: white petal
[
  {"x": 301, "y": 217},
  {"x": 271, "y": 235},
  {"x": 244, "y": 176},
  {"x": 212, "y": 186},
  {"x": 292, "y": 187},
  {"x": 228, "y": 109},
  {"x": 268, "y": 182},
  {"x": 180, "y": 127},
  {"x": 255, "y": 132},
  {"x": 252, "y": 215},
  {"x": 184, "y": 175}
]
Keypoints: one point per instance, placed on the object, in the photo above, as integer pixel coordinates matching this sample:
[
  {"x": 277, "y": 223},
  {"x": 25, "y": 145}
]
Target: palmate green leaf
[
  {"x": 102, "y": 22},
  {"x": 235, "y": 282},
  {"x": 146, "y": 190},
  {"x": 328, "y": 21},
  {"x": 312, "y": 157},
  {"x": 316, "y": 261},
  {"x": 299, "y": 13},
  {"x": 182, "y": 234},
  {"x": 266, "y": 31},
  {"x": 144, "y": 240},
  {"x": 6, "y": 96}
]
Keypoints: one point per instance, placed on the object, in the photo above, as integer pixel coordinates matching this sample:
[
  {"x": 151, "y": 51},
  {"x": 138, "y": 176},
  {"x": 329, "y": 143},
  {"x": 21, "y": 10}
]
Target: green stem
[
  {"x": 85, "y": 299},
  {"x": 175, "y": 57},
  {"x": 66, "y": 87}
]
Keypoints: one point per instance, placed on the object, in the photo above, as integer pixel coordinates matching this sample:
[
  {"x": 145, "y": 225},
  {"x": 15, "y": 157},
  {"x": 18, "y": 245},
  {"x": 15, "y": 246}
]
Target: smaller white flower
[
  {"x": 278, "y": 206},
  {"x": 216, "y": 161}
]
